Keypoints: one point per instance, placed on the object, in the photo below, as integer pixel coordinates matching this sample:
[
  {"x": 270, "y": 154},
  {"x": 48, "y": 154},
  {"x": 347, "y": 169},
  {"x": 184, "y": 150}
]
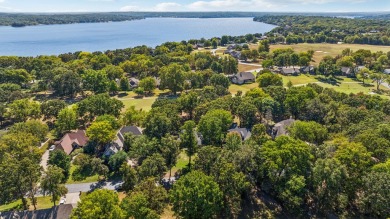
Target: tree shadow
[{"x": 329, "y": 80}]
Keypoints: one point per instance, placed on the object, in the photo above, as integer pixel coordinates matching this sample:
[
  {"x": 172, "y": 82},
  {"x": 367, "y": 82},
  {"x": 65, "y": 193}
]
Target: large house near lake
[
  {"x": 243, "y": 78},
  {"x": 71, "y": 141}
]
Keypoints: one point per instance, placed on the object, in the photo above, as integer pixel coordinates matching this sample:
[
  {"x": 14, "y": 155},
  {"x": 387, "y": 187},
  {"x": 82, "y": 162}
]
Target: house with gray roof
[
  {"x": 243, "y": 78},
  {"x": 280, "y": 128},
  {"x": 289, "y": 71},
  {"x": 117, "y": 145},
  {"x": 346, "y": 71},
  {"x": 243, "y": 132},
  {"x": 387, "y": 71},
  {"x": 57, "y": 212}
]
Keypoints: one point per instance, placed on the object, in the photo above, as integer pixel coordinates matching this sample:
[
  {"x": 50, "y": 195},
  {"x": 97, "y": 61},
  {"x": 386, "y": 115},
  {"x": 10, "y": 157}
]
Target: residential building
[
  {"x": 71, "y": 141},
  {"x": 243, "y": 78}
]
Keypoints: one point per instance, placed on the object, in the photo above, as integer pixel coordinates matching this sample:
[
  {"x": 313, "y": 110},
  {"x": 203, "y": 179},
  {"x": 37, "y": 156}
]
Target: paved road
[
  {"x": 251, "y": 64},
  {"x": 86, "y": 187}
]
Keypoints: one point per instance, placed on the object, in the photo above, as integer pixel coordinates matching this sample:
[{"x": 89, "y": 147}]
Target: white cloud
[
  {"x": 130, "y": 8},
  {"x": 168, "y": 6}
]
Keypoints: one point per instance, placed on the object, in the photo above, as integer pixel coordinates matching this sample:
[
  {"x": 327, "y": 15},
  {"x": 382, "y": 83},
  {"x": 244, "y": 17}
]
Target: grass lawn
[
  {"x": 89, "y": 179},
  {"x": 300, "y": 79},
  {"x": 182, "y": 161},
  {"x": 145, "y": 103},
  {"x": 242, "y": 67},
  {"x": 234, "y": 88},
  {"x": 324, "y": 49},
  {"x": 10, "y": 206},
  {"x": 43, "y": 202}
]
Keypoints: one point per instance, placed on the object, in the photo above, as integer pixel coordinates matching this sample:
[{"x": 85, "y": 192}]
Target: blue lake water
[{"x": 57, "y": 39}]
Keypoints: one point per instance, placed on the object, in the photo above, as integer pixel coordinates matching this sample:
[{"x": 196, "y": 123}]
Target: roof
[
  {"x": 346, "y": 70},
  {"x": 245, "y": 76},
  {"x": 289, "y": 70},
  {"x": 244, "y": 132},
  {"x": 66, "y": 143},
  {"x": 127, "y": 129},
  {"x": 308, "y": 68},
  {"x": 280, "y": 128},
  {"x": 387, "y": 71},
  {"x": 57, "y": 212}
]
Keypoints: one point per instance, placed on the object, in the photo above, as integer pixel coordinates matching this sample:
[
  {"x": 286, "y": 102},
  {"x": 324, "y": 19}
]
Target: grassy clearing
[
  {"x": 182, "y": 162},
  {"x": 324, "y": 49},
  {"x": 89, "y": 179},
  {"x": 168, "y": 213},
  {"x": 144, "y": 104},
  {"x": 10, "y": 206}
]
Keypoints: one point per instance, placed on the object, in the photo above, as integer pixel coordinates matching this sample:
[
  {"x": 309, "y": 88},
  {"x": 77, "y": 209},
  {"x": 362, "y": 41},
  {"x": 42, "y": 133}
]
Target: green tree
[
  {"x": 110, "y": 119},
  {"x": 364, "y": 74},
  {"x": 378, "y": 78},
  {"x": 137, "y": 206},
  {"x": 157, "y": 125},
  {"x": 214, "y": 125},
  {"x": 116, "y": 160},
  {"x": 201, "y": 191},
  {"x": 97, "y": 105},
  {"x": 62, "y": 160},
  {"x": 133, "y": 117},
  {"x": 152, "y": 166},
  {"x": 34, "y": 127},
  {"x": 308, "y": 131},
  {"x": 259, "y": 134},
  {"x": 67, "y": 120},
  {"x": 188, "y": 102},
  {"x": 51, "y": 183},
  {"x": 113, "y": 72},
  {"x": 269, "y": 79},
  {"x": 188, "y": 139},
  {"x": 156, "y": 195},
  {"x": 129, "y": 177},
  {"x": 148, "y": 84},
  {"x": 170, "y": 151},
  {"x": 124, "y": 84},
  {"x": 50, "y": 109},
  {"x": 101, "y": 132},
  {"x": 113, "y": 87},
  {"x": 172, "y": 77},
  {"x": 67, "y": 84},
  {"x": 24, "y": 109},
  {"x": 220, "y": 80},
  {"x": 246, "y": 111},
  {"x": 233, "y": 141},
  {"x": 99, "y": 204},
  {"x": 96, "y": 81}
]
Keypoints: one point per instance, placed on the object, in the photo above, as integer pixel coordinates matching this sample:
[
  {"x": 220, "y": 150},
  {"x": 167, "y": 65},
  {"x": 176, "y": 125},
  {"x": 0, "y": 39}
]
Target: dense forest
[
  {"x": 320, "y": 29},
  {"x": 28, "y": 19}
]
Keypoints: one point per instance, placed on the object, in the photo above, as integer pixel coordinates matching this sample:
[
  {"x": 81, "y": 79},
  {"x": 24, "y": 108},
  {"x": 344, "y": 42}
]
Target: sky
[{"x": 194, "y": 5}]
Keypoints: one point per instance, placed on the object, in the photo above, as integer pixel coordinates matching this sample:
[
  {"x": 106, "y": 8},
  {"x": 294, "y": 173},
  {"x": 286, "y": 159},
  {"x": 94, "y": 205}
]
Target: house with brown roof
[{"x": 71, "y": 141}]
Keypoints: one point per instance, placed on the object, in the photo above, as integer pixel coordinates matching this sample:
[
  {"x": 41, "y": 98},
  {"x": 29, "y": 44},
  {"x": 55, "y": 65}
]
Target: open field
[{"x": 323, "y": 49}]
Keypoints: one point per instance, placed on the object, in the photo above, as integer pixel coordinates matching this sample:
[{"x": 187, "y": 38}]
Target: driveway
[
  {"x": 44, "y": 160},
  {"x": 72, "y": 198}
]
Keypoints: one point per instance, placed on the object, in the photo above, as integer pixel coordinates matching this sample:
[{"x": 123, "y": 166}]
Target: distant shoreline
[{"x": 32, "y": 19}]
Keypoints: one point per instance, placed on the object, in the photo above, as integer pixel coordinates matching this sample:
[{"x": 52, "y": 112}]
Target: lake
[{"x": 57, "y": 39}]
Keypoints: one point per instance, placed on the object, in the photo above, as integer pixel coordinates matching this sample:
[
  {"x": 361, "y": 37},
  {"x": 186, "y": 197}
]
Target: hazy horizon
[{"x": 314, "y": 6}]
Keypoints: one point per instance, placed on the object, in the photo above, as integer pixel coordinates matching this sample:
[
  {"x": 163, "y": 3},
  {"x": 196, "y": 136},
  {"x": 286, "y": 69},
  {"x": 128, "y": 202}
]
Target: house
[
  {"x": 307, "y": 69},
  {"x": 57, "y": 212},
  {"x": 71, "y": 141},
  {"x": 386, "y": 71},
  {"x": 359, "y": 68},
  {"x": 289, "y": 71},
  {"x": 243, "y": 77},
  {"x": 117, "y": 145},
  {"x": 134, "y": 82},
  {"x": 244, "y": 132},
  {"x": 280, "y": 128},
  {"x": 346, "y": 71}
]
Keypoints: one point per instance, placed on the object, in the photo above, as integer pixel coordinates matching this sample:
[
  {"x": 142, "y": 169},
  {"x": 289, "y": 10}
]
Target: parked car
[
  {"x": 52, "y": 148},
  {"x": 118, "y": 187},
  {"x": 62, "y": 201}
]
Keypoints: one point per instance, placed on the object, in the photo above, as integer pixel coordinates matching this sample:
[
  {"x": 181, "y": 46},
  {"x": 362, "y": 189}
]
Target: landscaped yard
[
  {"x": 243, "y": 67},
  {"x": 300, "y": 79},
  {"x": 88, "y": 179},
  {"x": 43, "y": 202},
  {"x": 234, "y": 88}
]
